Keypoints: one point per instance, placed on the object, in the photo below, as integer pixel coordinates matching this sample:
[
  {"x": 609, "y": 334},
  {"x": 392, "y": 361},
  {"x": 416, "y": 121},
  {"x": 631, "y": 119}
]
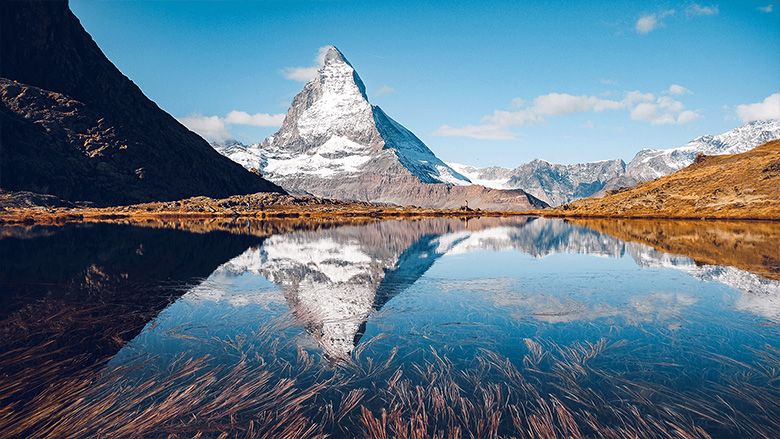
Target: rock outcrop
[
  {"x": 736, "y": 186},
  {"x": 74, "y": 126},
  {"x": 335, "y": 144}
]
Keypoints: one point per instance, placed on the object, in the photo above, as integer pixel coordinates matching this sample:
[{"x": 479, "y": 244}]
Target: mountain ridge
[
  {"x": 77, "y": 128},
  {"x": 558, "y": 184},
  {"x": 334, "y": 143},
  {"x": 733, "y": 186}
]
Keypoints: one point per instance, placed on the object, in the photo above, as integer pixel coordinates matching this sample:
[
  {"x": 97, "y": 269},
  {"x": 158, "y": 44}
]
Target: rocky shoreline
[{"x": 16, "y": 208}]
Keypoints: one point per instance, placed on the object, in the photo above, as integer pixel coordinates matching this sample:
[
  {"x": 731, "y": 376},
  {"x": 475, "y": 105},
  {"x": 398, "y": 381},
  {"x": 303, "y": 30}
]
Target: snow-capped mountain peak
[
  {"x": 331, "y": 131},
  {"x": 557, "y": 184},
  {"x": 334, "y": 143},
  {"x": 649, "y": 164}
]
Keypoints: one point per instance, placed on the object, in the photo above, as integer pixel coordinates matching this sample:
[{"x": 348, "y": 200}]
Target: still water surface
[{"x": 522, "y": 327}]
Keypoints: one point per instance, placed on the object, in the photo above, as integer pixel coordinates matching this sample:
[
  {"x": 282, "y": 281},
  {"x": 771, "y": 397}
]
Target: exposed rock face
[
  {"x": 559, "y": 184},
  {"x": 334, "y": 143},
  {"x": 74, "y": 126},
  {"x": 745, "y": 185},
  {"x": 649, "y": 164},
  {"x": 552, "y": 183}
]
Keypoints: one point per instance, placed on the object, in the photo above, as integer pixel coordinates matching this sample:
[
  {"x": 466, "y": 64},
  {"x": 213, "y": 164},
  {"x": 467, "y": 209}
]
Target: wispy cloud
[
  {"x": 697, "y": 9},
  {"x": 649, "y": 22},
  {"x": 677, "y": 89},
  {"x": 384, "y": 90},
  {"x": 306, "y": 74},
  {"x": 769, "y": 108},
  {"x": 640, "y": 106},
  {"x": 481, "y": 132},
  {"x": 767, "y": 9},
  {"x": 211, "y": 128},
  {"x": 257, "y": 119},
  {"x": 217, "y": 128}
]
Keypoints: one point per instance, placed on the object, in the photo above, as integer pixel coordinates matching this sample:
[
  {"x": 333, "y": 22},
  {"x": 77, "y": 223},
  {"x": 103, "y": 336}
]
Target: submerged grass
[{"x": 268, "y": 386}]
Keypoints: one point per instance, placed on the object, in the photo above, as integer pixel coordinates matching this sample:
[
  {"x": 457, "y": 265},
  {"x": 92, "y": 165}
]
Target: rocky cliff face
[
  {"x": 76, "y": 127},
  {"x": 649, "y": 164},
  {"x": 552, "y": 183},
  {"x": 334, "y": 143},
  {"x": 559, "y": 184},
  {"x": 745, "y": 185}
]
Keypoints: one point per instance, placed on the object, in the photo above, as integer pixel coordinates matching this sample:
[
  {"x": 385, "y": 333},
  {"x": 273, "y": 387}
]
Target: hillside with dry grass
[
  {"x": 738, "y": 186},
  {"x": 27, "y": 207},
  {"x": 748, "y": 246}
]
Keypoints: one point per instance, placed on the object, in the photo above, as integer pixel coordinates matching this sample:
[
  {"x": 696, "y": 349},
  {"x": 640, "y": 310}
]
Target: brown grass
[
  {"x": 557, "y": 391},
  {"x": 255, "y": 206},
  {"x": 749, "y": 246},
  {"x": 738, "y": 186}
]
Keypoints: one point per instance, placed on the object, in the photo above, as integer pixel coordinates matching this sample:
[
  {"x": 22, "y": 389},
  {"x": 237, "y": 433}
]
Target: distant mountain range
[
  {"x": 74, "y": 126},
  {"x": 553, "y": 183},
  {"x": 335, "y": 144},
  {"x": 744, "y": 185},
  {"x": 558, "y": 184}
]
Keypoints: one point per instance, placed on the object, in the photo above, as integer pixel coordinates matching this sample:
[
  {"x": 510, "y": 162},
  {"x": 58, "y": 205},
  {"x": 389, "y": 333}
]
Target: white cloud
[
  {"x": 677, "y": 89},
  {"x": 649, "y": 22},
  {"x": 563, "y": 103},
  {"x": 663, "y": 111},
  {"x": 767, "y": 9},
  {"x": 646, "y": 23},
  {"x": 211, "y": 128},
  {"x": 769, "y": 108},
  {"x": 687, "y": 116},
  {"x": 641, "y": 106},
  {"x": 217, "y": 129},
  {"x": 257, "y": 119},
  {"x": 482, "y": 132},
  {"x": 384, "y": 90},
  {"x": 636, "y": 96},
  {"x": 306, "y": 74},
  {"x": 697, "y": 9}
]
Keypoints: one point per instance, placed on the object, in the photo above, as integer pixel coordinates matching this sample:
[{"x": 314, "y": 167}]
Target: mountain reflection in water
[{"x": 81, "y": 301}]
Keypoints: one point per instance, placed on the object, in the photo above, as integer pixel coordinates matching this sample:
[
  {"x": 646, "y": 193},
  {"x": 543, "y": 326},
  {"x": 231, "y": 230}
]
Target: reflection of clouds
[
  {"x": 332, "y": 278},
  {"x": 220, "y": 289},
  {"x": 549, "y": 308},
  {"x": 758, "y": 295}
]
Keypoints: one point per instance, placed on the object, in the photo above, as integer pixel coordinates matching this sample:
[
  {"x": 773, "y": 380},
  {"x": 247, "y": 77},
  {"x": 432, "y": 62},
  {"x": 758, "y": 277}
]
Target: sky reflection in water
[{"x": 406, "y": 292}]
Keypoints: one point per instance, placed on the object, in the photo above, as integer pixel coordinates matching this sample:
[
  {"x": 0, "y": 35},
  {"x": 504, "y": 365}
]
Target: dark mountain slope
[{"x": 74, "y": 126}]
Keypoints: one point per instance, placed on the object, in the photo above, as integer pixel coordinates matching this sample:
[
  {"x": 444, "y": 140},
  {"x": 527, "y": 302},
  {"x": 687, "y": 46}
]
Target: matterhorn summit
[{"x": 334, "y": 143}]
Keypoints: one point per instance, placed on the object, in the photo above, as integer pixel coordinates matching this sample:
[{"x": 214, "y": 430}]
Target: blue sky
[{"x": 484, "y": 83}]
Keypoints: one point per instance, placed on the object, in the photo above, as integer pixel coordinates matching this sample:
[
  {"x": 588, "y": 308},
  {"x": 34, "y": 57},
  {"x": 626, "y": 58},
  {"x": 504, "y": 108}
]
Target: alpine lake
[{"x": 439, "y": 327}]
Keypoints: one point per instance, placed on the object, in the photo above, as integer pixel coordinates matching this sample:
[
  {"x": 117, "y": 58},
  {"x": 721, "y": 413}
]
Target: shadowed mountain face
[
  {"x": 196, "y": 304},
  {"x": 334, "y": 143},
  {"x": 70, "y": 298},
  {"x": 74, "y": 126}
]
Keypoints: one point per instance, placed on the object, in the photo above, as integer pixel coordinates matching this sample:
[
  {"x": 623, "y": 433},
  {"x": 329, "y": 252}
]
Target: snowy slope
[
  {"x": 557, "y": 184},
  {"x": 550, "y": 182},
  {"x": 332, "y": 130},
  {"x": 650, "y": 164}
]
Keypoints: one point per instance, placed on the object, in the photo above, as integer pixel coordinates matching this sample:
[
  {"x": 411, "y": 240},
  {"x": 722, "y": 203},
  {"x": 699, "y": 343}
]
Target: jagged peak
[
  {"x": 334, "y": 59},
  {"x": 333, "y": 54}
]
